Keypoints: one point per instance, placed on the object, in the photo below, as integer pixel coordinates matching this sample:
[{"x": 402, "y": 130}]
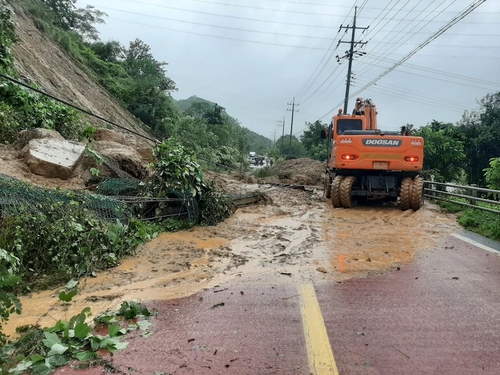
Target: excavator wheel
[
  {"x": 405, "y": 193},
  {"x": 417, "y": 193},
  {"x": 335, "y": 192},
  {"x": 346, "y": 190},
  {"x": 327, "y": 186}
]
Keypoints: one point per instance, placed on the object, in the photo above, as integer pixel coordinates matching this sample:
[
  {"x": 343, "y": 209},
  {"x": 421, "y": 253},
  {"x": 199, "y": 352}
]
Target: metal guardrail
[{"x": 440, "y": 191}]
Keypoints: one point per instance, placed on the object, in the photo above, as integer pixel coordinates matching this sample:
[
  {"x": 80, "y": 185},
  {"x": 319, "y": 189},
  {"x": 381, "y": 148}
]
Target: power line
[
  {"x": 77, "y": 108},
  {"x": 389, "y": 50},
  {"x": 266, "y": 9},
  {"x": 231, "y": 16},
  {"x": 212, "y": 25},
  {"x": 406, "y": 92},
  {"x": 449, "y": 24},
  {"x": 347, "y": 6},
  {"x": 440, "y": 72},
  {"x": 331, "y": 74},
  {"x": 317, "y": 73},
  {"x": 218, "y": 37}
]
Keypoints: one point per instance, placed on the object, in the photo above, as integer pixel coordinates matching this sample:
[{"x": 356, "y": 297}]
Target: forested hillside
[{"x": 195, "y": 106}]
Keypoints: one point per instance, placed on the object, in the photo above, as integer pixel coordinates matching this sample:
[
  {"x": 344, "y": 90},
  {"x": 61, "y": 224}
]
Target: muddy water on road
[
  {"x": 298, "y": 238},
  {"x": 172, "y": 265},
  {"x": 366, "y": 240}
]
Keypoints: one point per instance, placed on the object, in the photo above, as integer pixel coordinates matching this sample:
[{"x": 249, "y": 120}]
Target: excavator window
[{"x": 343, "y": 125}]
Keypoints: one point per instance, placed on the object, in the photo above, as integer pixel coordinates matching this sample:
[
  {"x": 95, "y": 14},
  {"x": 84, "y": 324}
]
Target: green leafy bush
[
  {"x": 9, "y": 303},
  {"x": 492, "y": 174},
  {"x": 176, "y": 171},
  {"x": 60, "y": 244},
  {"x": 42, "y": 351},
  {"x": 23, "y": 109}
]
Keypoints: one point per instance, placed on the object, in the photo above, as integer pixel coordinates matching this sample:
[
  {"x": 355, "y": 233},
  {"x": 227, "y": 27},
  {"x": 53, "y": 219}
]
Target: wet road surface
[{"x": 438, "y": 315}]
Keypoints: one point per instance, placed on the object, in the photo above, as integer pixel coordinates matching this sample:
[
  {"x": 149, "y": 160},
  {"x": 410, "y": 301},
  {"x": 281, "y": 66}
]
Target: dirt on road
[{"x": 299, "y": 237}]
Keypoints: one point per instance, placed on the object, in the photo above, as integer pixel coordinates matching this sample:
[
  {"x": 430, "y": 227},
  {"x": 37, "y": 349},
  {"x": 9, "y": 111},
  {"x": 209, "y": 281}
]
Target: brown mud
[{"x": 298, "y": 238}]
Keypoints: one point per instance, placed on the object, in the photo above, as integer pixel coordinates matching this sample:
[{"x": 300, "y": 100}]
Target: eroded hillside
[{"x": 41, "y": 60}]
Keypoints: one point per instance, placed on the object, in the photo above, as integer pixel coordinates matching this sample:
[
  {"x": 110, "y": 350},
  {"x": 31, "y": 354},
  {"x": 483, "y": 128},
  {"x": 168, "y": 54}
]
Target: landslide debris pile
[{"x": 299, "y": 171}]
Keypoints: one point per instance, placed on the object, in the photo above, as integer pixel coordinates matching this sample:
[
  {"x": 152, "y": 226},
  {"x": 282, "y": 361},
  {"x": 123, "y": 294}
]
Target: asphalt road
[{"x": 439, "y": 315}]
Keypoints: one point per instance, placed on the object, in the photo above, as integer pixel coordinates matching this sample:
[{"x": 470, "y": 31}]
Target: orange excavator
[{"x": 365, "y": 162}]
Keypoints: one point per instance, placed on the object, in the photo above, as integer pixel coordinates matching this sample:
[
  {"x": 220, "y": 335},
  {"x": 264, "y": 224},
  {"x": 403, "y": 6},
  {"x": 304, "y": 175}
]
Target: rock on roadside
[{"x": 53, "y": 158}]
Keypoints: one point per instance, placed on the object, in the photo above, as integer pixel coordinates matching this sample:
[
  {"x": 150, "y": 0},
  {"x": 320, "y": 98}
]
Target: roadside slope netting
[{"x": 18, "y": 197}]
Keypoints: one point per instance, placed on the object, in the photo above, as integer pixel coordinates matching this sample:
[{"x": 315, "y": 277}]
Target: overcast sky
[{"x": 254, "y": 56}]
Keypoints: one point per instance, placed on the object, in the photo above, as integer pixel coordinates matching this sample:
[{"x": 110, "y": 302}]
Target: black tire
[
  {"x": 346, "y": 191},
  {"x": 417, "y": 193},
  {"x": 335, "y": 192},
  {"x": 405, "y": 193},
  {"x": 327, "y": 186}
]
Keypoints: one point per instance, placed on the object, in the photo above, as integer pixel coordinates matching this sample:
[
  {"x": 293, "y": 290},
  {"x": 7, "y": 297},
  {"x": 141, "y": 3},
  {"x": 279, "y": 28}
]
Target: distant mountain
[{"x": 257, "y": 142}]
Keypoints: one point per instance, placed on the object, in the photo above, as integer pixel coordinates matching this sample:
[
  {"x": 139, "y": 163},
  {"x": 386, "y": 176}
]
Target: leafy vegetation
[
  {"x": 485, "y": 223},
  {"x": 178, "y": 174},
  {"x": 22, "y": 109},
  {"x": 42, "y": 351},
  {"x": 9, "y": 303},
  {"x": 492, "y": 174},
  {"x": 66, "y": 241},
  {"x": 466, "y": 148},
  {"x": 315, "y": 146},
  {"x": 444, "y": 152}
]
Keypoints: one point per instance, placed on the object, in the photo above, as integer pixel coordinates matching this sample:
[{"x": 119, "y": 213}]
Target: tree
[
  {"x": 492, "y": 174},
  {"x": 148, "y": 94},
  {"x": 66, "y": 16},
  {"x": 443, "y": 151},
  {"x": 311, "y": 140},
  {"x": 295, "y": 149},
  {"x": 480, "y": 132},
  {"x": 198, "y": 110},
  {"x": 111, "y": 51}
]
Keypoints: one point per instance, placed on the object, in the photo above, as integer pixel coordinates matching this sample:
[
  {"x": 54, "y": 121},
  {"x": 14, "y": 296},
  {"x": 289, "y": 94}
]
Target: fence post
[
  {"x": 474, "y": 194},
  {"x": 433, "y": 186}
]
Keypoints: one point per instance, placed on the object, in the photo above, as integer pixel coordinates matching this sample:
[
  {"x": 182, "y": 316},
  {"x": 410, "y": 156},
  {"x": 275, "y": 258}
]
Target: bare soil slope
[{"x": 42, "y": 61}]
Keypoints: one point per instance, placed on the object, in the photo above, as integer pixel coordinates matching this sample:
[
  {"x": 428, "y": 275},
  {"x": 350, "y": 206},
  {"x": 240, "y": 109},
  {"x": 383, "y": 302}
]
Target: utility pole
[
  {"x": 283, "y": 135},
  {"x": 351, "y": 53},
  {"x": 293, "y": 110},
  {"x": 278, "y": 125}
]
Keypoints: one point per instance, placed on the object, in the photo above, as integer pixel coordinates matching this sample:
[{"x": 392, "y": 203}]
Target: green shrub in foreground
[{"x": 55, "y": 246}]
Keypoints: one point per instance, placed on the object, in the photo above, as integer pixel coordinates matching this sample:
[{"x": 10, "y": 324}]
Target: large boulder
[
  {"x": 53, "y": 158},
  {"x": 126, "y": 139},
  {"x": 102, "y": 134},
  {"x": 119, "y": 157},
  {"x": 27, "y": 135}
]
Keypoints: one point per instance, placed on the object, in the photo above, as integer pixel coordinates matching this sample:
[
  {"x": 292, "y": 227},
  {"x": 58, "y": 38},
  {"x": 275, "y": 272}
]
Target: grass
[{"x": 484, "y": 223}]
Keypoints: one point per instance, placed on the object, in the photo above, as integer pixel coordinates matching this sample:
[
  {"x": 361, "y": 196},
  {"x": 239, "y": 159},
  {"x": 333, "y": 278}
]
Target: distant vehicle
[{"x": 251, "y": 157}]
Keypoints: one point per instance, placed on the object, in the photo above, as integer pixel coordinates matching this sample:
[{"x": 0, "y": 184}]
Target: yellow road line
[{"x": 319, "y": 351}]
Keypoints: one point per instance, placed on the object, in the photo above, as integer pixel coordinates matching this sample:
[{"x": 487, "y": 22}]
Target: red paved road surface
[{"x": 419, "y": 320}]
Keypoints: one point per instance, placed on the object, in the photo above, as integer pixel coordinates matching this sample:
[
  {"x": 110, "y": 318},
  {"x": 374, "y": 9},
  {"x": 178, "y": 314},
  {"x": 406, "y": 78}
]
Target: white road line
[{"x": 477, "y": 244}]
